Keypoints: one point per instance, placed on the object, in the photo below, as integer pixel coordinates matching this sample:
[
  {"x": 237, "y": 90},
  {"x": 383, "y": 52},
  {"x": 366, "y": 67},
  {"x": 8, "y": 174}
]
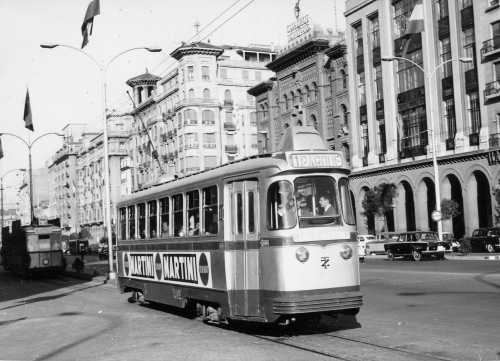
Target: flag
[
  {"x": 415, "y": 25},
  {"x": 28, "y": 121},
  {"x": 1, "y": 150},
  {"x": 88, "y": 21}
]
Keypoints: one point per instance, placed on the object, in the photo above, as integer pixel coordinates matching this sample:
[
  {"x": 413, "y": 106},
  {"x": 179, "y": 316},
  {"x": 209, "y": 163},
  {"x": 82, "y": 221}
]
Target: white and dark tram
[{"x": 266, "y": 239}]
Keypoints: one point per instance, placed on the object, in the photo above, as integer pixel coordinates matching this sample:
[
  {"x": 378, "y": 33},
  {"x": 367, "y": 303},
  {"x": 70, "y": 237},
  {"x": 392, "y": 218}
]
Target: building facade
[
  {"x": 197, "y": 116},
  {"x": 90, "y": 168},
  {"x": 394, "y": 105},
  {"x": 40, "y": 196},
  {"x": 309, "y": 88},
  {"x": 63, "y": 201}
]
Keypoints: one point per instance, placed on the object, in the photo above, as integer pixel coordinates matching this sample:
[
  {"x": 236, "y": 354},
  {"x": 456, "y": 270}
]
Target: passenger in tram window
[
  {"x": 164, "y": 229},
  {"x": 328, "y": 210},
  {"x": 304, "y": 209},
  {"x": 194, "y": 227},
  {"x": 153, "y": 233},
  {"x": 286, "y": 211}
]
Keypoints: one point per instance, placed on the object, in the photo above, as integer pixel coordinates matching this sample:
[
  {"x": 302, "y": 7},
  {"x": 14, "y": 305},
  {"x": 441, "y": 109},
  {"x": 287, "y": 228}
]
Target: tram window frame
[
  {"x": 210, "y": 209},
  {"x": 176, "y": 211},
  {"x": 344, "y": 192},
  {"x": 123, "y": 223},
  {"x": 317, "y": 219},
  {"x": 141, "y": 220},
  {"x": 239, "y": 213},
  {"x": 152, "y": 226},
  {"x": 165, "y": 216},
  {"x": 252, "y": 224},
  {"x": 193, "y": 210},
  {"x": 131, "y": 222},
  {"x": 288, "y": 222}
]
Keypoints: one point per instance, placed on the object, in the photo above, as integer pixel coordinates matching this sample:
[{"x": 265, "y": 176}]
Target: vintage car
[
  {"x": 376, "y": 244},
  {"x": 415, "y": 245},
  {"x": 485, "y": 239}
]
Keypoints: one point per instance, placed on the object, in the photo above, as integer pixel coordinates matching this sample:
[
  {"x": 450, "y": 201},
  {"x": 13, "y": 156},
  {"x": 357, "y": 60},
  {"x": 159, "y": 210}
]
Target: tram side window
[
  {"x": 317, "y": 200},
  {"x": 281, "y": 211},
  {"x": 165, "y": 220},
  {"x": 210, "y": 204},
  {"x": 152, "y": 209},
  {"x": 345, "y": 201},
  {"x": 141, "y": 213},
  {"x": 251, "y": 213},
  {"x": 239, "y": 213},
  {"x": 193, "y": 213},
  {"x": 178, "y": 216},
  {"x": 123, "y": 223},
  {"x": 131, "y": 222}
]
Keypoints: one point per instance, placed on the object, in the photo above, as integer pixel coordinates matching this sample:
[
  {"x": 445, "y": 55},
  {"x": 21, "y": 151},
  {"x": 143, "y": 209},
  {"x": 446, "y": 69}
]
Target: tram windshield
[{"x": 317, "y": 201}]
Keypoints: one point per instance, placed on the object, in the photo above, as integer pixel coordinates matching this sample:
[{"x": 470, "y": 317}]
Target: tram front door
[{"x": 242, "y": 232}]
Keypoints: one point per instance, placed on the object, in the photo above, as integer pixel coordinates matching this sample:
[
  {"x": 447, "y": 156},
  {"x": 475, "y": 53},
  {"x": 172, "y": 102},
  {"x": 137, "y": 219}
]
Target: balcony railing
[
  {"x": 495, "y": 140},
  {"x": 409, "y": 151},
  {"x": 490, "y": 48},
  {"x": 492, "y": 90},
  {"x": 231, "y": 148},
  {"x": 230, "y": 126}
]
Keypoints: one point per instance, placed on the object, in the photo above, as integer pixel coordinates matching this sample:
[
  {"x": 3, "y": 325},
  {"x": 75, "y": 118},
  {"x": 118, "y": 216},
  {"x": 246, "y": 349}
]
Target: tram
[
  {"x": 267, "y": 239},
  {"x": 33, "y": 249}
]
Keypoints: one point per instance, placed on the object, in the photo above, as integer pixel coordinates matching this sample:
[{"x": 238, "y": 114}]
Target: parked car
[
  {"x": 453, "y": 243},
  {"x": 416, "y": 245},
  {"x": 485, "y": 239},
  {"x": 362, "y": 239},
  {"x": 376, "y": 245}
]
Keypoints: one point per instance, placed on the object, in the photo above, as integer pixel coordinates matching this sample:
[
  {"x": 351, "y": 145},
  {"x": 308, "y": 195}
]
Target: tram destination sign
[
  {"x": 188, "y": 268},
  {"x": 315, "y": 160}
]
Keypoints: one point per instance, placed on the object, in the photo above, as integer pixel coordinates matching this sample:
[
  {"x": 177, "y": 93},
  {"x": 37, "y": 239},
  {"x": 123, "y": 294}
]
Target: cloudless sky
[{"x": 64, "y": 85}]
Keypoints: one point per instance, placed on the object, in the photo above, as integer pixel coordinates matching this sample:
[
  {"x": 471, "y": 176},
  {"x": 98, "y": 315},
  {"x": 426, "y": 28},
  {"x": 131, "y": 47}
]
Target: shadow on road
[{"x": 13, "y": 287}]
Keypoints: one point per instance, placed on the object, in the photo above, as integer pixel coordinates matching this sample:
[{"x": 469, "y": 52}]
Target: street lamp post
[
  {"x": 428, "y": 76},
  {"x": 1, "y": 198},
  {"x": 29, "y": 145},
  {"x": 103, "y": 68}
]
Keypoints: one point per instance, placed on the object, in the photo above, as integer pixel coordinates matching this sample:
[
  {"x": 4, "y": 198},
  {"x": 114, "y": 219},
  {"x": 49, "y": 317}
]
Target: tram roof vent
[{"x": 301, "y": 138}]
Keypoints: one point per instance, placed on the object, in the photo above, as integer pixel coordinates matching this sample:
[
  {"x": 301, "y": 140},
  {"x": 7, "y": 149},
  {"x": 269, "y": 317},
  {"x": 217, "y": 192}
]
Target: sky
[{"x": 64, "y": 84}]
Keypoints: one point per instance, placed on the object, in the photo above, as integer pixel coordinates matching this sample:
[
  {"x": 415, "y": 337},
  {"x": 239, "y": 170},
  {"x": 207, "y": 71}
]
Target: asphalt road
[{"x": 435, "y": 310}]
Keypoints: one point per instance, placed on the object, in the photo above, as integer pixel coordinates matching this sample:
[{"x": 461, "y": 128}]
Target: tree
[
  {"x": 449, "y": 208},
  {"x": 379, "y": 201}
]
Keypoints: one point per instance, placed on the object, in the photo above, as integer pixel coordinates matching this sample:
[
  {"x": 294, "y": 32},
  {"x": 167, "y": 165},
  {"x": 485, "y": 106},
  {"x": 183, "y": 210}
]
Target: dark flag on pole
[
  {"x": 88, "y": 21},
  {"x": 1, "y": 150},
  {"x": 28, "y": 121}
]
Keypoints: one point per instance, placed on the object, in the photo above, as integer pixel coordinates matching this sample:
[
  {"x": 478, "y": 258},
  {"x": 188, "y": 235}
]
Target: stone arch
[
  {"x": 478, "y": 201},
  {"x": 405, "y": 208},
  {"x": 314, "y": 122},
  {"x": 425, "y": 204},
  {"x": 452, "y": 189}
]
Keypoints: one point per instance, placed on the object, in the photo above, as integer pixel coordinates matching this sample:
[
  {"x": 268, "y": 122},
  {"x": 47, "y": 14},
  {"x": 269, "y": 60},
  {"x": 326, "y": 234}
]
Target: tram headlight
[
  {"x": 302, "y": 254},
  {"x": 346, "y": 252}
]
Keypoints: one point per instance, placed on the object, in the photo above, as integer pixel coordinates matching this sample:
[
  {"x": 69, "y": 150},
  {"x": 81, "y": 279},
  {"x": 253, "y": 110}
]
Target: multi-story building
[
  {"x": 63, "y": 201},
  {"x": 198, "y": 116},
  {"x": 40, "y": 196},
  {"x": 90, "y": 170},
  {"x": 310, "y": 88},
  {"x": 394, "y": 105}
]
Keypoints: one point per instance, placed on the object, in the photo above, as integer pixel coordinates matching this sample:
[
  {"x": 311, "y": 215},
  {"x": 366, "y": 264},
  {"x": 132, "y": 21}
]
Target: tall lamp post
[
  {"x": 428, "y": 77},
  {"x": 103, "y": 68},
  {"x": 30, "y": 145},
  {"x": 1, "y": 197}
]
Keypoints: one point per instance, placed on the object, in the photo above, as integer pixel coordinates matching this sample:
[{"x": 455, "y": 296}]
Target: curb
[{"x": 79, "y": 275}]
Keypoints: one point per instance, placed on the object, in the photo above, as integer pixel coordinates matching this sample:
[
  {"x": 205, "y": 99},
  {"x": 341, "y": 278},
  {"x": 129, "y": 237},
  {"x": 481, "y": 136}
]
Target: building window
[
  {"x": 343, "y": 75},
  {"x": 206, "y": 94},
  {"x": 315, "y": 91},
  {"x": 474, "y": 113},
  {"x": 253, "y": 119},
  {"x": 445, "y": 57},
  {"x": 205, "y": 73},
  {"x": 345, "y": 115},
  {"x": 382, "y": 137},
  {"x": 402, "y": 11},
  {"x": 375, "y": 31},
  {"x": 468, "y": 41},
  {"x": 449, "y": 115},
  {"x": 207, "y": 117},
  {"x": 361, "y": 89},
  {"x": 285, "y": 102},
  {"x": 209, "y": 140},
  {"x": 442, "y": 8},
  {"x": 414, "y": 128},
  {"x": 193, "y": 213},
  {"x": 314, "y": 122},
  {"x": 191, "y": 94},
  {"x": 347, "y": 152},
  {"x": 466, "y": 3},
  {"x": 409, "y": 75},
  {"x": 190, "y": 116},
  {"x": 190, "y": 72},
  {"x": 358, "y": 39},
  {"x": 223, "y": 73},
  {"x": 210, "y": 206},
  {"x": 379, "y": 90},
  {"x": 365, "y": 144},
  {"x": 227, "y": 96}
]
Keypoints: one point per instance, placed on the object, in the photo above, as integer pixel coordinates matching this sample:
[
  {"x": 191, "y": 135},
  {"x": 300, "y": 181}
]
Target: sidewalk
[
  {"x": 455, "y": 256},
  {"x": 93, "y": 268}
]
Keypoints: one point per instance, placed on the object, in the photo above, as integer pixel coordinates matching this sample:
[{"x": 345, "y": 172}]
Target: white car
[{"x": 362, "y": 240}]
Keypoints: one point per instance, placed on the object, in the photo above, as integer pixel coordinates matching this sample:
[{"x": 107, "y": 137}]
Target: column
[
  {"x": 353, "y": 101},
  {"x": 446, "y": 194},
  {"x": 400, "y": 210},
  {"x": 471, "y": 206},
  {"x": 421, "y": 220}
]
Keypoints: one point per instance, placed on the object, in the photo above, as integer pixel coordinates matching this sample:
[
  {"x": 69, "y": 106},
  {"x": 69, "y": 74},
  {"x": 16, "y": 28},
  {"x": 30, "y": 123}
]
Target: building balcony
[
  {"x": 196, "y": 101},
  {"x": 208, "y": 122},
  {"x": 376, "y": 58},
  {"x": 209, "y": 145},
  {"x": 490, "y": 49},
  {"x": 192, "y": 146},
  {"x": 228, "y": 103},
  {"x": 409, "y": 151},
  {"x": 231, "y": 148},
  {"x": 230, "y": 126},
  {"x": 495, "y": 140},
  {"x": 492, "y": 92}
]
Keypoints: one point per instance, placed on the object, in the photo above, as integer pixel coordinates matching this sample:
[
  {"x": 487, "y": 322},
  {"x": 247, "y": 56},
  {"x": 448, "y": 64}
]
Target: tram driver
[{"x": 326, "y": 205}]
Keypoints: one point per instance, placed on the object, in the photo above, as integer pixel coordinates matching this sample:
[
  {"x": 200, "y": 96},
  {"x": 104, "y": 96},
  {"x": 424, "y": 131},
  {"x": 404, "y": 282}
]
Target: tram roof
[{"x": 243, "y": 166}]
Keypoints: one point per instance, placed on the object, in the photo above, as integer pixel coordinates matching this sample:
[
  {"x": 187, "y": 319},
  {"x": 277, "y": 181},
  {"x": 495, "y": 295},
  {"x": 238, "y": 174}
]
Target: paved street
[{"x": 414, "y": 311}]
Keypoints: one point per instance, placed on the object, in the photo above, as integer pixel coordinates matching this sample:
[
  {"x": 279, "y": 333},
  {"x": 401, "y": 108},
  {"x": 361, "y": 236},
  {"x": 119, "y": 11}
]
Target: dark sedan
[
  {"x": 485, "y": 239},
  {"x": 416, "y": 245}
]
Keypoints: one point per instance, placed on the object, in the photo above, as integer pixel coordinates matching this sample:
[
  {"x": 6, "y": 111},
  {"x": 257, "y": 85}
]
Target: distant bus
[{"x": 31, "y": 249}]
